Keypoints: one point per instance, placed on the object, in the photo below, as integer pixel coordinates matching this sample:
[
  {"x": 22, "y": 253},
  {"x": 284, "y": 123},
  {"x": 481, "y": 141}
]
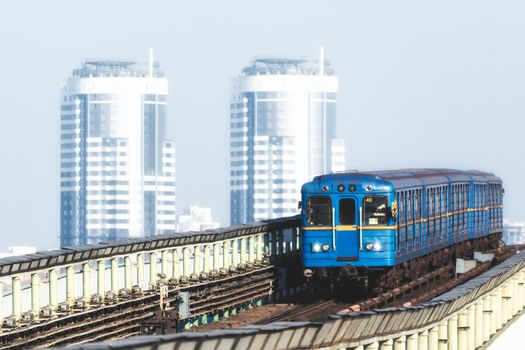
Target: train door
[{"x": 346, "y": 229}]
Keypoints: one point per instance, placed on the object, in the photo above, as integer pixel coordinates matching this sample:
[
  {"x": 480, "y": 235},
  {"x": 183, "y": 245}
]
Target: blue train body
[{"x": 385, "y": 218}]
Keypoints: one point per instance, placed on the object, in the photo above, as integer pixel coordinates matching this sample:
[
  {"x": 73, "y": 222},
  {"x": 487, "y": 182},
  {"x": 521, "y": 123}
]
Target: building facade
[
  {"x": 117, "y": 166},
  {"x": 195, "y": 218},
  {"x": 513, "y": 232},
  {"x": 282, "y": 133}
]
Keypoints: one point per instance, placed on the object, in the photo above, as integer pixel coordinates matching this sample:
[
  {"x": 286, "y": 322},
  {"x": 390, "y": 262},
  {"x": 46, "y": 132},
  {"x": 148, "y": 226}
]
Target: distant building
[
  {"x": 117, "y": 166},
  {"x": 513, "y": 233},
  {"x": 18, "y": 250},
  {"x": 282, "y": 133},
  {"x": 195, "y": 218}
]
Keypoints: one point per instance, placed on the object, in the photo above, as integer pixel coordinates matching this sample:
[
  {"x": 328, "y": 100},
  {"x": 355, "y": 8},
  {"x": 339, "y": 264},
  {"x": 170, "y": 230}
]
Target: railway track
[
  {"x": 123, "y": 319},
  {"x": 300, "y": 311},
  {"x": 414, "y": 292}
]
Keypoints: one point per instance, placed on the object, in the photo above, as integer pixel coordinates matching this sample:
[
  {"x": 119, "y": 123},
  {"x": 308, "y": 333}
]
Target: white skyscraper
[
  {"x": 117, "y": 167},
  {"x": 282, "y": 133},
  {"x": 513, "y": 232}
]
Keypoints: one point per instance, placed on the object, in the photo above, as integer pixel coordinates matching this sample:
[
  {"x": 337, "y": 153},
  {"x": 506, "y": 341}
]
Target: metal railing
[
  {"x": 46, "y": 283},
  {"x": 463, "y": 318}
]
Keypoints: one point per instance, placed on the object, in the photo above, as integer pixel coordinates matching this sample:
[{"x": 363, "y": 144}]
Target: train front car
[{"x": 348, "y": 229}]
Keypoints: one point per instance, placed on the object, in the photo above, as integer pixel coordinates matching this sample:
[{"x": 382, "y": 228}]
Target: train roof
[{"x": 403, "y": 178}]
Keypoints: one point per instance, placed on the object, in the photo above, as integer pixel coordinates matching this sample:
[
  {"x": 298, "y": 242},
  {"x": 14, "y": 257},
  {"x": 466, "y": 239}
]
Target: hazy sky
[{"x": 422, "y": 84}]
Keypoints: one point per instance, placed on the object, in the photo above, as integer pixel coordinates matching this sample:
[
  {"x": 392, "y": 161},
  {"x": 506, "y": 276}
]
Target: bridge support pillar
[
  {"x": 519, "y": 286},
  {"x": 101, "y": 277},
  {"x": 400, "y": 343},
  {"x": 175, "y": 257},
  {"x": 153, "y": 268},
  {"x": 86, "y": 281},
  {"x": 433, "y": 338},
  {"x": 281, "y": 249},
  {"x": 1, "y": 300},
  {"x": 463, "y": 331},
  {"x": 496, "y": 301},
  {"x": 478, "y": 324},
  {"x": 288, "y": 245},
  {"x": 216, "y": 256},
  {"x": 127, "y": 272},
  {"x": 273, "y": 245},
  {"x": 114, "y": 275},
  {"x": 35, "y": 292},
  {"x": 243, "y": 250},
  {"x": 387, "y": 345},
  {"x": 515, "y": 295},
  {"x": 70, "y": 284},
  {"x": 453, "y": 333},
  {"x": 260, "y": 246},
  {"x": 487, "y": 316},
  {"x": 164, "y": 263},
  {"x": 251, "y": 249},
  {"x": 422, "y": 342},
  {"x": 207, "y": 258},
  {"x": 140, "y": 269},
  {"x": 506, "y": 301},
  {"x": 412, "y": 342},
  {"x": 372, "y": 346},
  {"x": 235, "y": 252},
  {"x": 443, "y": 336},
  {"x": 294, "y": 242},
  {"x": 197, "y": 260},
  {"x": 521, "y": 289},
  {"x": 226, "y": 254},
  {"x": 510, "y": 300},
  {"x": 17, "y": 297},
  {"x": 186, "y": 261},
  {"x": 471, "y": 323}
]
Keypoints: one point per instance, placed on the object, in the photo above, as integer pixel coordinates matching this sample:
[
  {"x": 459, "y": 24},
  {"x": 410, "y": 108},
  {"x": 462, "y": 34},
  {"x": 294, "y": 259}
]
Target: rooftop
[
  {"x": 286, "y": 65},
  {"x": 117, "y": 68}
]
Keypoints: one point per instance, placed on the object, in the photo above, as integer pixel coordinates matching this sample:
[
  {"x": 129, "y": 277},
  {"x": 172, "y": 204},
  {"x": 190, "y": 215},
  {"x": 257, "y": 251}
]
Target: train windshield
[
  {"x": 347, "y": 211},
  {"x": 319, "y": 210},
  {"x": 375, "y": 210}
]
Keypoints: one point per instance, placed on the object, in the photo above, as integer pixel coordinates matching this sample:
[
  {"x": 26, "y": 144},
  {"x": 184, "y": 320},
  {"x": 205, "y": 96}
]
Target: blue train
[{"x": 383, "y": 227}]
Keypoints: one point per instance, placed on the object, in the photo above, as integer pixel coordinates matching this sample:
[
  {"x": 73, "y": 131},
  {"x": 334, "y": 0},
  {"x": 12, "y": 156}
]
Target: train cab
[{"x": 348, "y": 225}]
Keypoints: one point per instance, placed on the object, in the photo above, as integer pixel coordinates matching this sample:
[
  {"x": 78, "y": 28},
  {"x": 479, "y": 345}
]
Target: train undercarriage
[{"x": 350, "y": 281}]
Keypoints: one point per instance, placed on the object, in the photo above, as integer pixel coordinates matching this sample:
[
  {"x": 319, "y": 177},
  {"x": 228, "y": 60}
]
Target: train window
[
  {"x": 431, "y": 205},
  {"x": 319, "y": 210},
  {"x": 375, "y": 210},
  {"x": 417, "y": 201},
  {"x": 410, "y": 206},
  {"x": 347, "y": 211},
  {"x": 401, "y": 204},
  {"x": 445, "y": 199}
]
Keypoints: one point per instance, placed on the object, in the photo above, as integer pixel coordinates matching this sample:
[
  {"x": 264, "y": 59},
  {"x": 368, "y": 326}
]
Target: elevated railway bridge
[{"x": 171, "y": 283}]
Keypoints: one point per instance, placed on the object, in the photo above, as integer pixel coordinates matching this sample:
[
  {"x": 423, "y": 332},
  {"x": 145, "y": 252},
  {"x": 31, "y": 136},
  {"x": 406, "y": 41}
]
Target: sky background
[{"x": 421, "y": 84}]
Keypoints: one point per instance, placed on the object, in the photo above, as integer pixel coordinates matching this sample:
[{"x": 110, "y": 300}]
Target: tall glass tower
[
  {"x": 117, "y": 167},
  {"x": 282, "y": 133}
]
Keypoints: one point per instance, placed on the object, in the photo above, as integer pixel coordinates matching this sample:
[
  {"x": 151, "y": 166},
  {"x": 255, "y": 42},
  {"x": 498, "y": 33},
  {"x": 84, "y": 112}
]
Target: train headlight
[
  {"x": 377, "y": 246},
  {"x": 369, "y": 246},
  {"x": 316, "y": 247},
  {"x": 325, "y": 247}
]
